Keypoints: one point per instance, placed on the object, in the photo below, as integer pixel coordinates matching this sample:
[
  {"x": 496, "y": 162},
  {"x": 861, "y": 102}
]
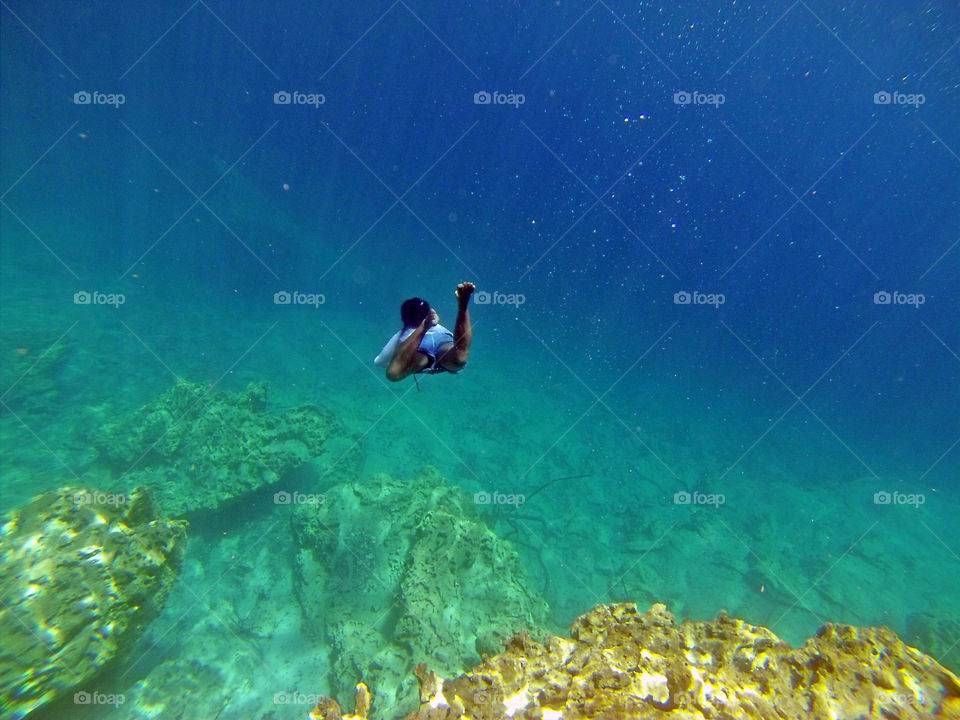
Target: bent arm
[{"x": 405, "y": 359}]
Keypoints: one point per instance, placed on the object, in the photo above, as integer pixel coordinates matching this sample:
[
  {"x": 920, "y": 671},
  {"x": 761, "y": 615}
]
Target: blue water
[{"x": 787, "y": 201}]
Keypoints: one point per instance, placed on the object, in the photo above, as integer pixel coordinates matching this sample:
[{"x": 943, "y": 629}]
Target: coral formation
[
  {"x": 199, "y": 448},
  {"x": 619, "y": 663},
  {"x": 397, "y": 572},
  {"x": 83, "y": 574}
]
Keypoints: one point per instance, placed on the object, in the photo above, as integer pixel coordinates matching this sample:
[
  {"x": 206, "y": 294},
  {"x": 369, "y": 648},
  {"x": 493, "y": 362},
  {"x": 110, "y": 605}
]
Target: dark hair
[{"x": 413, "y": 311}]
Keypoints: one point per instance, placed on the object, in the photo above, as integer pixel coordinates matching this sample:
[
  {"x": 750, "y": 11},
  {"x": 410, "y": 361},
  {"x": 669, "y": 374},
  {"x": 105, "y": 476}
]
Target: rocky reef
[
  {"x": 619, "y": 663},
  {"x": 31, "y": 367},
  {"x": 395, "y": 572},
  {"x": 199, "y": 448},
  {"x": 83, "y": 574}
]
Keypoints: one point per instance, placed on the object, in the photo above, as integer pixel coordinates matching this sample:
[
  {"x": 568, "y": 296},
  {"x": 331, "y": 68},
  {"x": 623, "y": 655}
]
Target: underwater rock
[
  {"x": 83, "y": 575},
  {"x": 199, "y": 448},
  {"x": 329, "y": 709},
  {"x": 378, "y": 555},
  {"x": 31, "y": 368},
  {"x": 179, "y": 688},
  {"x": 620, "y": 663}
]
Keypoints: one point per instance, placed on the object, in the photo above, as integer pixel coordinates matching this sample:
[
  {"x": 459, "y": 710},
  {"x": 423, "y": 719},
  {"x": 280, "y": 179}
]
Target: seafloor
[{"x": 797, "y": 541}]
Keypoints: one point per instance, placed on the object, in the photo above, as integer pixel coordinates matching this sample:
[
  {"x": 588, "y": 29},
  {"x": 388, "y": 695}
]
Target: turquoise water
[{"x": 785, "y": 445}]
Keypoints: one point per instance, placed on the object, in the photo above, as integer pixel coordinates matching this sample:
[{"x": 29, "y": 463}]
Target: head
[{"x": 413, "y": 311}]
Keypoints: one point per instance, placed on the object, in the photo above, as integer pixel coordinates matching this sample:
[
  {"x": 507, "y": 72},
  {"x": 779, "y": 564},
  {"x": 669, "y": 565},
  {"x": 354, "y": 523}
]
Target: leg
[
  {"x": 398, "y": 371},
  {"x": 454, "y": 356}
]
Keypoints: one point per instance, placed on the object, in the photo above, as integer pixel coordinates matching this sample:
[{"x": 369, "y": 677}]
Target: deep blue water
[{"x": 794, "y": 195}]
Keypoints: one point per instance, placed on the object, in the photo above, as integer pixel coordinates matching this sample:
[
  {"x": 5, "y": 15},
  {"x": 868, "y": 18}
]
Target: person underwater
[{"x": 423, "y": 345}]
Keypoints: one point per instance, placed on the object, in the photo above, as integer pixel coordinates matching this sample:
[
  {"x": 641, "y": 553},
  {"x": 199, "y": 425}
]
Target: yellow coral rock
[
  {"x": 328, "y": 709},
  {"x": 620, "y": 664}
]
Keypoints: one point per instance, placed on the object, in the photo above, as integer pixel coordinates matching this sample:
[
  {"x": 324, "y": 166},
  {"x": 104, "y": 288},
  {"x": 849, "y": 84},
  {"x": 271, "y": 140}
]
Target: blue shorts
[{"x": 434, "y": 339}]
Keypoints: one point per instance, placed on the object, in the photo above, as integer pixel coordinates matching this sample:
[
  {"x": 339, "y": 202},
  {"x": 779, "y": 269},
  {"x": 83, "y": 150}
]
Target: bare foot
[{"x": 463, "y": 292}]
